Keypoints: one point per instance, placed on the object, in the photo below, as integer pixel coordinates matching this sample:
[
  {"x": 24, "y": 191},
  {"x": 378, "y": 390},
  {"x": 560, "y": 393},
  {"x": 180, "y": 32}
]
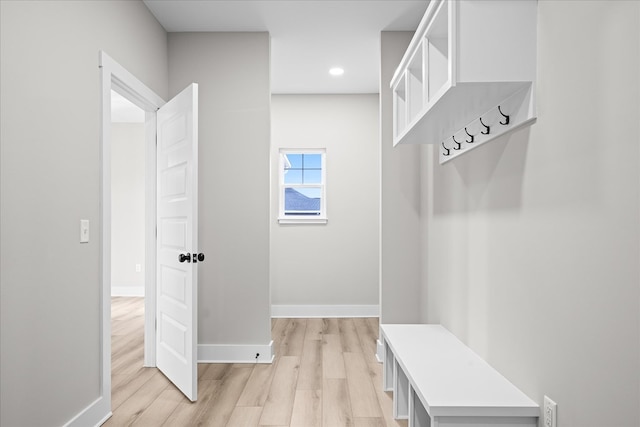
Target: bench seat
[{"x": 438, "y": 381}]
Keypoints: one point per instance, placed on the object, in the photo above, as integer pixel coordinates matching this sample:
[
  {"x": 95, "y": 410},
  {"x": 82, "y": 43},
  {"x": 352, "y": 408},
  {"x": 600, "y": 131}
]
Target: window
[{"x": 302, "y": 186}]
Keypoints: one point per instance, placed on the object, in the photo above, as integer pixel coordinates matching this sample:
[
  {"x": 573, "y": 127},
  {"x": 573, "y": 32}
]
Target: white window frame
[{"x": 302, "y": 219}]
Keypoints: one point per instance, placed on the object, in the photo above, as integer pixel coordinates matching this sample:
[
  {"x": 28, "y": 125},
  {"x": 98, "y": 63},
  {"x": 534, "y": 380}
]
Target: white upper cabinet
[{"x": 467, "y": 76}]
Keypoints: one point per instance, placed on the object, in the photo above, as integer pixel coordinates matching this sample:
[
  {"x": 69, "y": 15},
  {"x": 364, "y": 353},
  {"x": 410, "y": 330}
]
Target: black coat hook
[
  {"x": 472, "y": 137},
  {"x": 506, "y": 118},
  {"x": 445, "y": 147},
  {"x": 459, "y": 145},
  {"x": 487, "y": 128}
]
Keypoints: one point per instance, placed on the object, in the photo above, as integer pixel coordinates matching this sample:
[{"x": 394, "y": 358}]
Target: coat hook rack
[
  {"x": 506, "y": 118},
  {"x": 475, "y": 135},
  {"x": 445, "y": 147},
  {"x": 487, "y": 128},
  {"x": 469, "y": 141},
  {"x": 459, "y": 144}
]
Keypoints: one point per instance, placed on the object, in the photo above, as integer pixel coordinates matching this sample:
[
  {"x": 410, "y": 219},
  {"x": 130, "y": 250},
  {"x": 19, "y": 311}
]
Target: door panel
[{"x": 177, "y": 222}]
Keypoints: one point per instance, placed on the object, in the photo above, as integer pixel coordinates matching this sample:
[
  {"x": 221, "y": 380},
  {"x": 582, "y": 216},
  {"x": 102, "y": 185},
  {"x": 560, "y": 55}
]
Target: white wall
[
  {"x": 127, "y": 208},
  {"x": 400, "y": 202},
  {"x": 530, "y": 244},
  {"x": 334, "y": 264},
  {"x": 232, "y": 71},
  {"x": 50, "y": 175}
]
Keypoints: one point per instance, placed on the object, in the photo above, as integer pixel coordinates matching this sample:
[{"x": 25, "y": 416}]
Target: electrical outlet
[{"x": 550, "y": 413}]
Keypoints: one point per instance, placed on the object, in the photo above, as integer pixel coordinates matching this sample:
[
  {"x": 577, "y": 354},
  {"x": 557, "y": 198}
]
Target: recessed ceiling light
[{"x": 336, "y": 71}]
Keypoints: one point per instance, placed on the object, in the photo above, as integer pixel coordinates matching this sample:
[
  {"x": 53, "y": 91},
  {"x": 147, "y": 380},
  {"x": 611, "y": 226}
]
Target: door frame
[{"x": 114, "y": 76}]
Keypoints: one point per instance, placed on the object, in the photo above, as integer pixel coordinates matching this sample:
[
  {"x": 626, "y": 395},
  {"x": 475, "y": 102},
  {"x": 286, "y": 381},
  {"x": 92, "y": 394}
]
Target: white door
[{"x": 177, "y": 222}]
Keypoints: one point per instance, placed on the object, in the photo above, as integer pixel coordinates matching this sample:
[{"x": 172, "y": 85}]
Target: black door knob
[
  {"x": 201, "y": 257},
  {"x": 184, "y": 257}
]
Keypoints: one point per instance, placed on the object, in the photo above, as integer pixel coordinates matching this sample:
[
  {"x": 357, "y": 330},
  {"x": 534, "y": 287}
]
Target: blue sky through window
[{"x": 303, "y": 169}]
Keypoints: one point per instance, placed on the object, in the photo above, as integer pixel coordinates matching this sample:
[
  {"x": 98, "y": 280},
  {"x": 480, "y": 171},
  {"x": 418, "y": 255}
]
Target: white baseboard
[
  {"x": 127, "y": 291},
  {"x": 379, "y": 351},
  {"x": 325, "y": 310},
  {"x": 235, "y": 353},
  {"x": 93, "y": 415}
]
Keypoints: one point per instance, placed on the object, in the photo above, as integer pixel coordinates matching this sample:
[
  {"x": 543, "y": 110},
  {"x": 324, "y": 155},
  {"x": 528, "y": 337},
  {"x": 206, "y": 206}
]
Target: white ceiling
[{"x": 308, "y": 37}]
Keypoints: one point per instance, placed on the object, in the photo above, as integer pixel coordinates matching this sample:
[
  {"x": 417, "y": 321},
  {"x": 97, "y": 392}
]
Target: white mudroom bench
[{"x": 437, "y": 381}]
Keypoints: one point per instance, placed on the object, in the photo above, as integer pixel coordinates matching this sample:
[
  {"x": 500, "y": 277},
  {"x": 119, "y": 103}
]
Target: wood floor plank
[
  {"x": 124, "y": 387},
  {"x": 130, "y": 409},
  {"x": 364, "y": 401},
  {"x": 370, "y": 422},
  {"x": 314, "y": 329},
  {"x": 243, "y": 365},
  {"x": 123, "y": 326},
  {"x": 122, "y": 344},
  {"x": 336, "y": 410},
  {"x": 279, "y": 403},
  {"x": 122, "y": 307},
  {"x": 332, "y": 360},
  {"x": 332, "y": 342},
  {"x": 307, "y": 409},
  {"x": 202, "y": 368},
  {"x": 125, "y": 375},
  {"x": 348, "y": 336},
  {"x": 278, "y": 332},
  {"x": 385, "y": 399},
  {"x": 310, "y": 376},
  {"x": 124, "y": 341},
  {"x": 374, "y": 323},
  {"x": 293, "y": 340},
  {"x": 368, "y": 338},
  {"x": 158, "y": 412},
  {"x": 245, "y": 416},
  {"x": 186, "y": 413},
  {"x": 330, "y": 326},
  {"x": 213, "y": 371},
  {"x": 129, "y": 363},
  {"x": 135, "y": 311},
  {"x": 224, "y": 398},
  {"x": 257, "y": 388}
]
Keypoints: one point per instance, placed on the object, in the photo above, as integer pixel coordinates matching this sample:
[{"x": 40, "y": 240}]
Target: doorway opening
[
  {"x": 116, "y": 80},
  {"x": 170, "y": 227},
  {"x": 127, "y": 198},
  {"x": 127, "y": 241}
]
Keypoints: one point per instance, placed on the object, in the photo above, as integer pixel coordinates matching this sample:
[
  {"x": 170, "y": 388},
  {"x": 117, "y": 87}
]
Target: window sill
[{"x": 302, "y": 220}]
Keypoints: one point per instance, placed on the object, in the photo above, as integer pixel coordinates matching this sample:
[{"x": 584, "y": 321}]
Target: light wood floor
[{"x": 324, "y": 374}]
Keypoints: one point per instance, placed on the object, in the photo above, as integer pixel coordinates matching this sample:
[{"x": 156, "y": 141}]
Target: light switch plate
[{"x": 84, "y": 231}]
